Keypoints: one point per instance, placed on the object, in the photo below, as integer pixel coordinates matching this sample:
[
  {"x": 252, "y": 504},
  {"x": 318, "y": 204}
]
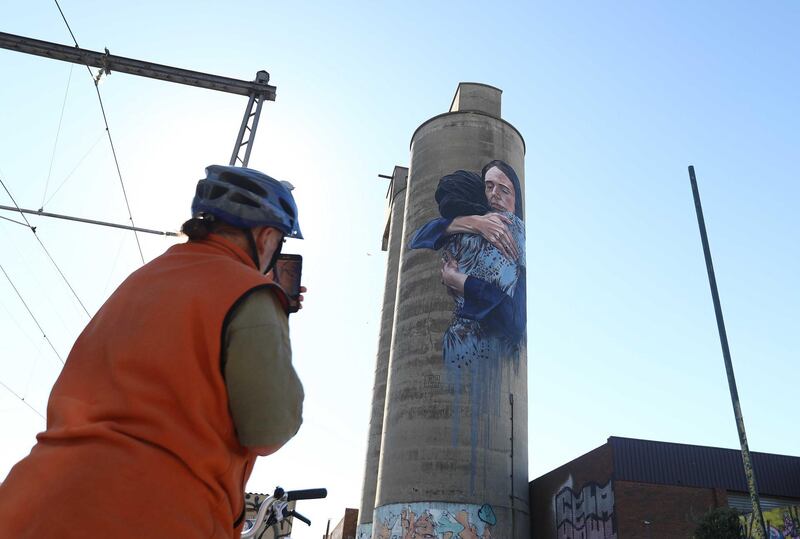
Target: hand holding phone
[{"x": 286, "y": 274}]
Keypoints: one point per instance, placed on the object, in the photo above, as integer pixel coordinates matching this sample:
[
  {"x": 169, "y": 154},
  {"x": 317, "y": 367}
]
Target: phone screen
[{"x": 287, "y": 272}]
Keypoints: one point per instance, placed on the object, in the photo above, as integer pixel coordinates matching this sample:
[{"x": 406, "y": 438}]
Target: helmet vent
[
  {"x": 287, "y": 208},
  {"x": 241, "y": 199},
  {"x": 245, "y": 184},
  {"x": 216, "y": 192}
]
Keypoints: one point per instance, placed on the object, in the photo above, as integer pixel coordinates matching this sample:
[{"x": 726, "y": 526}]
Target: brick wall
[
  {"x": 672, "y": 511},
  {"x": 346, "y": 528}
]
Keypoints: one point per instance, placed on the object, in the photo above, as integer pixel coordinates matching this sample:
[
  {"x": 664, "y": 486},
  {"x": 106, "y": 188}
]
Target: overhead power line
[
  {"x": 32, "y": 315},
  {"x": 13, "y": 221},
  {"x": 64, "y": 181},
  {"x": 33, "y": 229},
  {"x": 119, "y": 172},
  {"x": 65, "y": 22},
  {"x": 58, "y": 132},
  {"x": 108, "y": 132},
  {"x": 26, "y": 403}
]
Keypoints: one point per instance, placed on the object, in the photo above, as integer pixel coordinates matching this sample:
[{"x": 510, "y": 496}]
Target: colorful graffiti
[
  {"x": 587, "y": 513},
  {"x": 433, "y": 520},
  {"x": 782, "y": 523}
]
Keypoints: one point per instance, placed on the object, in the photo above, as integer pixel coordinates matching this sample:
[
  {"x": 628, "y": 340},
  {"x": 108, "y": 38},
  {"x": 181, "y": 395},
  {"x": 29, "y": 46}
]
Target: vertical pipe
[
  {"x": 726, "y": 354},
  {"x": 511, "y": 457}
]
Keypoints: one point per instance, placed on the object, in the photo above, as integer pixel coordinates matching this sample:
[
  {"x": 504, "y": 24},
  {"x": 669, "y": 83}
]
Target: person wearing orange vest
[{"x": 182, "y": 378}]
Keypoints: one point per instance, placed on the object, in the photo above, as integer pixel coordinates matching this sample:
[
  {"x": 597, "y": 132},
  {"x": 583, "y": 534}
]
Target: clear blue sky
[{"x": 614, "y": 100}]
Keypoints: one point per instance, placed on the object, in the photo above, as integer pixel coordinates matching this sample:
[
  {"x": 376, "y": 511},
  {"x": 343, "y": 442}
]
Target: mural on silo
[{"x": 481, "y": 238}]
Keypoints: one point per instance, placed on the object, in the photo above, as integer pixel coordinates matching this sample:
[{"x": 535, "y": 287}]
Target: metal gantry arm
[
  {"x": 110, "y": 62},
  {"x": 258, "y": 90}
]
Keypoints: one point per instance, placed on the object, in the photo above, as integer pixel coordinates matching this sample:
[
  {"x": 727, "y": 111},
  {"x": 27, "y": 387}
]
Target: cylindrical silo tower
[
  {"x": 453, "y": 453},
  {"x": 392, "y": 237}
]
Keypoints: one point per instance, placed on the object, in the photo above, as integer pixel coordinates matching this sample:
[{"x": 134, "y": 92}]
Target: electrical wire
[
  {"x": 65, "y": 22},
  {"x": 119, "y": 172},
  {"x": 36, "y": 345},
  {"x": 37, "y": 284},
  {"x": 33, "y": 229},
  {"x": 32, "y": 315},
  {"x": 99, "y": 138},
  {"x": 13, "y": 221},
  {"x": 108, "y": 132},
  {"x": 114, "y": 265},
  {"x": 23, "y": 401},
  {"x": 58, "y": 132}
]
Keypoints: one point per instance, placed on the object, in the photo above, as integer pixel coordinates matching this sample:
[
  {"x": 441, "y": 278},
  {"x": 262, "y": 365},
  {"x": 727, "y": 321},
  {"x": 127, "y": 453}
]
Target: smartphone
[{"x": 287, "y": 272}]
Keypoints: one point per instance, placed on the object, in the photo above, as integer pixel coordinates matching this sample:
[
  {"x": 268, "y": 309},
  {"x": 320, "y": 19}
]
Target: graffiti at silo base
[
  {"x": 587, "y": 513},
  {"x": 364, "y": 531},
  {"x": 480, "y": 236},
  {"x": 434, "y": 520}
]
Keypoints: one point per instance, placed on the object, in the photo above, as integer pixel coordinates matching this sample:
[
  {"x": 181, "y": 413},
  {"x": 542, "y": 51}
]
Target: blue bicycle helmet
[{"x": 246, "y": 198}]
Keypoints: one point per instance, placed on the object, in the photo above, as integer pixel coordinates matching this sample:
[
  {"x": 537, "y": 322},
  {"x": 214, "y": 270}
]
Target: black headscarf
[
  {"x": 506, "y": 169},
  {"x": 461, "y": 193}
]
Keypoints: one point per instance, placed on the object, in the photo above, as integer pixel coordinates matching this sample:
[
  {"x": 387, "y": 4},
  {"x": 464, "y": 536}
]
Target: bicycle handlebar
[
  {"x": 279, "y": 496},
  {"x": 307, "y": 494},
  {"x": 298, "y": 516}
]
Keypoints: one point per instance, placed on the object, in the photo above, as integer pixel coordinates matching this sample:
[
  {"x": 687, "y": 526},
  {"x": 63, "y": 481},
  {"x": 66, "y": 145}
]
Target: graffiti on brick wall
[
  {"x": 433, "y": 520},
  {"x": 782, "y": 523},
  {"x": 587, "y": 513}
]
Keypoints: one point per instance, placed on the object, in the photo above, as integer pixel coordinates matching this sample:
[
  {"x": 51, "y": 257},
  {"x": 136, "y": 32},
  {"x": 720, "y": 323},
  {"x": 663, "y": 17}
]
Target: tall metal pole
[{"x": 726, "y": 354}]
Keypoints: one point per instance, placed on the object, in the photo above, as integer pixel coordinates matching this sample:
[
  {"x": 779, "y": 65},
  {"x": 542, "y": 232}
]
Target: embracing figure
[{"x": 481, "y": 236}]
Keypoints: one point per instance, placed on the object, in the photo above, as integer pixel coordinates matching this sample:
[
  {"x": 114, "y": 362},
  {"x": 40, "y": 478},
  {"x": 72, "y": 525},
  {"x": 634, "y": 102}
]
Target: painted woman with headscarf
[{"x": 481, "y": 235}]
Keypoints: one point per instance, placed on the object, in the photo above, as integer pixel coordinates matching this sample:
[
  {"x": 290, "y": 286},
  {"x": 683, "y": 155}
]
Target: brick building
[
  {"x": 628, "y": 489},
  {"x": 346, "y": 528}
]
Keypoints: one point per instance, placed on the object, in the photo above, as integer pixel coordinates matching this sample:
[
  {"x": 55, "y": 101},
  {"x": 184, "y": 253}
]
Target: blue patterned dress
[{"x": 489, "y": 319}]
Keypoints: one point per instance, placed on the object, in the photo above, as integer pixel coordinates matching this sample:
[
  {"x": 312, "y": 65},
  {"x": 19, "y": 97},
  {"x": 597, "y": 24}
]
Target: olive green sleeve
[{"x": 264, "y": 393}]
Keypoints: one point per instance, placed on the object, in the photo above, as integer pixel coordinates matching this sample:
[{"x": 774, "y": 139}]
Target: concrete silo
[
  {"x": 392, "y": 237},
  {"x": 453, "y": 449}
]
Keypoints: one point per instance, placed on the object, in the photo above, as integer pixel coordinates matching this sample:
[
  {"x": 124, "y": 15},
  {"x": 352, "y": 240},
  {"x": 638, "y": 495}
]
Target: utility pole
[
  {"x": 258, "y": 90},
  {"x": 749, "y": 473}
]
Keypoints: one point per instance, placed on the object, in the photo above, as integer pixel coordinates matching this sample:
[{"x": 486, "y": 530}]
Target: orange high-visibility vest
[{"x": 139, "y": 441}]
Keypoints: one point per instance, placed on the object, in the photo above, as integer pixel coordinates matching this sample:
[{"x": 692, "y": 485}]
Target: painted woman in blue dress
[{"x": 481, "y": 236}]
